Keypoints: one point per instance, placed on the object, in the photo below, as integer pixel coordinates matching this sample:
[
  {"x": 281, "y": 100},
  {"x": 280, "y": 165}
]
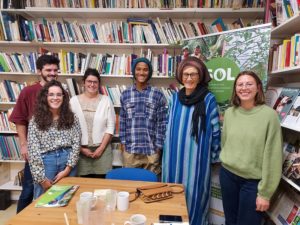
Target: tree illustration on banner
[{"x": 227, "y": 53}]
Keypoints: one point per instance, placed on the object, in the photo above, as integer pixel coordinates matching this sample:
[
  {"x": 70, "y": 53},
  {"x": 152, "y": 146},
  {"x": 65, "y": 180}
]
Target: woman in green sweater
[{"x": 251, "y": 153}]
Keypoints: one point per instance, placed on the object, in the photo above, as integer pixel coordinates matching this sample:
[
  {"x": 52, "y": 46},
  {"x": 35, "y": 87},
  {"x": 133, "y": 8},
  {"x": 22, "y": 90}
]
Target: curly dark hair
[
  {"x": 42, "y": 114},
  {"x": 46, "y": 59}
]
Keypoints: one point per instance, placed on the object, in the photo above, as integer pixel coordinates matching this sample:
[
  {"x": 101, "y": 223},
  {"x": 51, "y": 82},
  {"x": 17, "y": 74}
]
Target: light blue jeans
[{"x": 54, "y": 162}]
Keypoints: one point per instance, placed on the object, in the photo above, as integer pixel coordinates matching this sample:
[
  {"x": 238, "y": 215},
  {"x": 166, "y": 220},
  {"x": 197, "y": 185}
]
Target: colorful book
[
  {"x": 271, "y": 95},
  {"x": 57, "y": 196},
  {"x": 292, "y": 119},
  {"x": 285, "y": 101}
]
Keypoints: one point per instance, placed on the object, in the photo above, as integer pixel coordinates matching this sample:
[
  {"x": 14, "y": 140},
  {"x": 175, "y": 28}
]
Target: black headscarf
[
  {"x": 198, "y": 95},
  {"x": 197, "y": 99}
]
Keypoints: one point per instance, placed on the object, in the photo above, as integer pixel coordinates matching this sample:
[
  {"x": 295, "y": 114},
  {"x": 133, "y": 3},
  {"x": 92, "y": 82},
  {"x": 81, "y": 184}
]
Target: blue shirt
[{"x": 143, "y": 120}]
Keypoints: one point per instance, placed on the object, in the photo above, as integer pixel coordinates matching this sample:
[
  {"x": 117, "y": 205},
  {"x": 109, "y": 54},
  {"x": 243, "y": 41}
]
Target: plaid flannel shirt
[{"x": 143, "y": 118}]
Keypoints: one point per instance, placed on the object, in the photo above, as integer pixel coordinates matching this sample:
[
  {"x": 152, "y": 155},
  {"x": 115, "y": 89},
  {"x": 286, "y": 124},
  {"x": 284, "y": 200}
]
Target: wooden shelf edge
[
  {"x": 7, "y": 132},
  {"x": 11, "y": 161},
  {"x": 289, "y": 25},
  {"x": 10, "y": 186},
  {"x": 294, "y": 69},
  {"x": 290, "y": 127},
  {"x": 290, "y": 182}
]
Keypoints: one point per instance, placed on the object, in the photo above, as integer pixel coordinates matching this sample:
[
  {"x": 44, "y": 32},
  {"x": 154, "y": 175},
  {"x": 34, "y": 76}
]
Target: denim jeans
[
  {"x": 27, "y": 189},
  {"x": 239, "y": 199},
  {"x": 54, "y": 162}
]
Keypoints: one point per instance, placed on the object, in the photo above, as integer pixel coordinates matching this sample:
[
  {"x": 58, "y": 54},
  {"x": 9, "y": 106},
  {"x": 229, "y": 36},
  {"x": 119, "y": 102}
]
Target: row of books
[
  {"x": 10, "y": 148},
  {"x": 6, "y": 125},
  {"x": 71, "y": 62},
  {"x": 278, "y": 11},
  {"x": 133, "y": 3},
  {"x": 10, "y": 90},
  {"x": 286, "y": 102},
  {"x": 285, "y": 55},
  {"x": 286, "y": 9},
  {"x": 113, "y": 92},
  {"x": 134, "y": 30},
  {"x": 18, "y": 62}
]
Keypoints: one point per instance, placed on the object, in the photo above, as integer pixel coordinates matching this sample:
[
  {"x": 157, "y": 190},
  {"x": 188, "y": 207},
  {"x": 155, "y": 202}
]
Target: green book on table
[{"x": 57, "y": 196}]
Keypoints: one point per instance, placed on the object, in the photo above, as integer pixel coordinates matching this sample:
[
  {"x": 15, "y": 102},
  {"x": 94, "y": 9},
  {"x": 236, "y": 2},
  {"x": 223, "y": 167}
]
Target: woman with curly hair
[{"x": 53, "y": 138}]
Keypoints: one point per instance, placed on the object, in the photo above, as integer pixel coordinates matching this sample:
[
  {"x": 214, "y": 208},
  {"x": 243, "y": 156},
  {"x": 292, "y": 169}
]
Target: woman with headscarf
[{"x": 193, "y": 138}]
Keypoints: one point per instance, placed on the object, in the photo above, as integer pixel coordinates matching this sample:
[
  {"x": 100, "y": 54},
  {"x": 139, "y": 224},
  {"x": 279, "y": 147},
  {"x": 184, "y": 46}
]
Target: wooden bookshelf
[{"x": 207, "y": 15}]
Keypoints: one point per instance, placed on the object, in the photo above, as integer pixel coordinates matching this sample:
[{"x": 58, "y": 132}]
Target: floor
[{"x": 5, "y": 215}]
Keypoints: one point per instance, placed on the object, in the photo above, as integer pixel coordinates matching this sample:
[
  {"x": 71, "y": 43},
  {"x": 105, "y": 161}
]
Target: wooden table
[{"x": 55, "y": 216}]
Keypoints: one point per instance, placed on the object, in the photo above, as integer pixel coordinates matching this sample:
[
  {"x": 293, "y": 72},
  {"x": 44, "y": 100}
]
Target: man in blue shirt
[{"x": 142, "y": 120}]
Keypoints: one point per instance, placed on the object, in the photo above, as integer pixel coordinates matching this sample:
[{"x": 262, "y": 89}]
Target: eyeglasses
[
  {"x": 53, "y": 95},
  {"x": 92, "y": 82},
  {"x": 191, "y": 75},
  {"x": 246, "y": 85}
]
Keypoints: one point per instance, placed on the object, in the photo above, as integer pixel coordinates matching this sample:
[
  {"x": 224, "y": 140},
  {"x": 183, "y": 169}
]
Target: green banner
[{"x": 228, "y": 53}]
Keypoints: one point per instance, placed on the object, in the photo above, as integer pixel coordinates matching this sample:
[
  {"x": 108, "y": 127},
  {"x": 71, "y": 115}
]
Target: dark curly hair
[
  {"x": 46, "y": 59},
  {"x": 42, "y": 114}
]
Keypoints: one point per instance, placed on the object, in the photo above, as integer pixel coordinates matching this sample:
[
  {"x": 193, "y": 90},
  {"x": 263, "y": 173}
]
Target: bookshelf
[
  {"x": 120, "y": 13},
  {"x": 90, "y": 15},
  {"x": 286, "y": 77},
  {"x": 287, "y": 28}
]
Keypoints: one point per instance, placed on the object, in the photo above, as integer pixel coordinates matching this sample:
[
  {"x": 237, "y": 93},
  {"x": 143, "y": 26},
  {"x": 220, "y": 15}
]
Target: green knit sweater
[{"x": 252, "y": 146}]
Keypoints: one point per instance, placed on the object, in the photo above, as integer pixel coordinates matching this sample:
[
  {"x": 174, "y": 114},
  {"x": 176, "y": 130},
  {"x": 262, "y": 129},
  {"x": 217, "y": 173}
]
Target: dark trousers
[
  {"x": 239, "y": 199},
  {"x": 27, "y": 189}
]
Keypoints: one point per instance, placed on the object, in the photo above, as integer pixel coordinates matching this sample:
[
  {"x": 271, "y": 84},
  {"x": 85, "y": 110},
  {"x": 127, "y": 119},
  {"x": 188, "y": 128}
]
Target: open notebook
[{"x": 57, "y": 196}]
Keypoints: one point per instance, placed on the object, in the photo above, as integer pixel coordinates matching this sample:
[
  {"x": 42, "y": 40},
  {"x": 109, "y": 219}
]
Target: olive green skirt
[{"x": 100, "y": 165}]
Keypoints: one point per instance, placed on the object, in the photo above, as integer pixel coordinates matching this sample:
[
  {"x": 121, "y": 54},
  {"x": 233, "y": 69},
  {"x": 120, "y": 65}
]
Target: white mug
[
  {"x": 123, "y": 201},
  {"x": 136, "y": 219}
]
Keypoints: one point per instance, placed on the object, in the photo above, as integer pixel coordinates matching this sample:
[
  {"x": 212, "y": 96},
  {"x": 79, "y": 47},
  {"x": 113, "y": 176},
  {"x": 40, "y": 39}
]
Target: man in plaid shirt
[{"x": 142, "y": 120}]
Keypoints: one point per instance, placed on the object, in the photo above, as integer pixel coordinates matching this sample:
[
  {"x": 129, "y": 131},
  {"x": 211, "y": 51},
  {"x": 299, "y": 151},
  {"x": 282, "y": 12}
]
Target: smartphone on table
[{"x": 169, "y": 218}]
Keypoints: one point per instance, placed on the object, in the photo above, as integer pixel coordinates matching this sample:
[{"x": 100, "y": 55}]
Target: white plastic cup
[
  {"x": 123, "y": 201},
  {"x": 88, "y": 197},
  {"x": 111, "y": 199}
]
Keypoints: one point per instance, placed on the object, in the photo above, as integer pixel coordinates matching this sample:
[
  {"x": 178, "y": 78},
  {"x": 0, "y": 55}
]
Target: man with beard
[{"x": 47, "y": 68}]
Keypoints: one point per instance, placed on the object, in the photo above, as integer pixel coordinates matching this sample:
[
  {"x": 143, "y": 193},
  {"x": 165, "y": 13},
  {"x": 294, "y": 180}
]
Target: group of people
[{"x": 179, "y": 141}]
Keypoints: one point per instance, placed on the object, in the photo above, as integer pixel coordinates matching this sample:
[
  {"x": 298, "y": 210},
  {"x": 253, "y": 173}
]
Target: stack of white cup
[{"x": 86, "y": 201}]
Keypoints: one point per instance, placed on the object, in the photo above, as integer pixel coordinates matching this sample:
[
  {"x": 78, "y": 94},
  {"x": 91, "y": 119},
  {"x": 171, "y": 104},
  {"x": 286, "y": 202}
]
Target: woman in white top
[{"x": 97, "y": 121}]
